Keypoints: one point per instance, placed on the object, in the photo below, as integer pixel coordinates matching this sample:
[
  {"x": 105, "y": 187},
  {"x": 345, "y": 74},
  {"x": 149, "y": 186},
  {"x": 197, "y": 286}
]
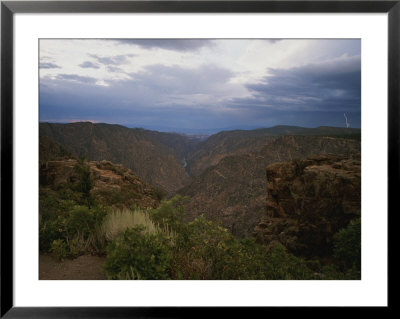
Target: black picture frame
[{"x": 9, "y": 8}]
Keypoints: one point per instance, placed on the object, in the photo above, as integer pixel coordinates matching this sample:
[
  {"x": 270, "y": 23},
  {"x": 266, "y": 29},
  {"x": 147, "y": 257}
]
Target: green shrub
[
  {"x": 198, "y": 246},
  {"x": 286, "y": 266},
  {"x": 136, "y": 254},
  {"x": 84, "y": 183},
  {"x": 82, "y": 220},
  {"x": 244, "y": 260},
  {"x": 76, "y": 226},
  {"x": 205, "y": 250},
  {"x": 347, "y": 245},
  {"x": 333, "y": 272},
  {"x": 250, "y": 258},
  {"x": 60, "y": 249},
  {"x": 170, "y": 213},
  {"x": 51, "y": 210}
]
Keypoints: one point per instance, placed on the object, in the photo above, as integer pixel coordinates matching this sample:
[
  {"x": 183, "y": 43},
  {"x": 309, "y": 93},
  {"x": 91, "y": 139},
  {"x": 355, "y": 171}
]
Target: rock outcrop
[
  {"x": 308, "y": 201},
  {"x": 233, "y": 191},
  {"x": 112, "y": 184}
]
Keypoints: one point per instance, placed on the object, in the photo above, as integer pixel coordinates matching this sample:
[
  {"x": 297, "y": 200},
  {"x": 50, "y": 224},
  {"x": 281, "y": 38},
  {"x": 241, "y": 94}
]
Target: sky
[{"x": 201, "y": 85}]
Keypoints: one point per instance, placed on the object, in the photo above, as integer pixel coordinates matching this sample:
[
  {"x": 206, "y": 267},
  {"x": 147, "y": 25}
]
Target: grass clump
[
  {"x": 138, "y": 254},
  {"x": 119, "y": 220}
]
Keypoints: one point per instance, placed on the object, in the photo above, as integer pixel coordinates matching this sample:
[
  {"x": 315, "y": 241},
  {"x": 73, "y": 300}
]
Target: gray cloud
[
  {"x": 156, "y": 86},
  {"x": 112, "y": 60},
  {"x": 179, "y": 80},
  {"x": 329, "y": 86},
  {"x": 76, "y": 78},
  {"x": 273, "y": 40},
  {"x": 48, "y": 65},
  {"x": 90, "y": 65},
  {"x": 112, "y": 68},
  {"x": 169, "y": 44}
]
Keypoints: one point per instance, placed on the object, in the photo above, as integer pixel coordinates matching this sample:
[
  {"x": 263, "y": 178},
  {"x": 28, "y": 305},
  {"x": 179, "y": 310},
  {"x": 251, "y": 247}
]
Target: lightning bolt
[{"x": 347, "y": 123}]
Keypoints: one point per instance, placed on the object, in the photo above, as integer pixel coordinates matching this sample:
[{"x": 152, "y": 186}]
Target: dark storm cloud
[
  {"x": 169, "y": 44},
  {"x": 89, "y": 65},
  {"x": 112, "y": 60},
  {"x": 179, "y": 80},
  {"x": 331, "y": 86},
  {"x": 48, "y": 65},
  {"x": 158, "y": 95}
]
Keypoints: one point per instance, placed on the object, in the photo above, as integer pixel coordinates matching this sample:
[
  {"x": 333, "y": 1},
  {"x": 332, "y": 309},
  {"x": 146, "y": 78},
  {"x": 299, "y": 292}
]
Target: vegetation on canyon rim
[{"x": 157, "y": 243}]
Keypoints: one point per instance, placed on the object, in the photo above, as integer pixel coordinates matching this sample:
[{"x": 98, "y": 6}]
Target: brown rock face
[
  {"x": 233, "y": 191},
  {"x": 308, "y": 201},
  {"x": 112, "y": 184}
]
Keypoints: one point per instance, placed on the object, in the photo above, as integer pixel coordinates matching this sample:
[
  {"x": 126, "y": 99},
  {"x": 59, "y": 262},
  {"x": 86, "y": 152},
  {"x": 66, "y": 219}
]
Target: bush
[
  {"x": 286, "y": 266},
  {"x": 205, "y": 250},
  {"x": 60, "y": 249},
  {"x": 199, "y": 245},
  {"x": 244, "y": 260},
  {"x": 347, "y": 245},
  {"x": 74, "y": 225},
  {"x": 84, "y": 183},
  {"x": 170, "y": 213},
  {"x": 135, "y": 254},
  {"x": 51, "y": 210},
  {"x": 82, "y": 220},
  {"x": 333, "y": 272}
]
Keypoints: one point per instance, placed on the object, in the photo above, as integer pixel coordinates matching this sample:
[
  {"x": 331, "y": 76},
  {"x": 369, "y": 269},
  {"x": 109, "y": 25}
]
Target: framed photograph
[{"x": 162, "y": 156}]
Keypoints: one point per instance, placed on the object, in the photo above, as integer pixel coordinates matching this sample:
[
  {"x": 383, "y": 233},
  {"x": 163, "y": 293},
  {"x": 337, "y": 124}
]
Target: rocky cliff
[
  {"x": 111, "y": 184},
  {"x": 308, "y": 201}
]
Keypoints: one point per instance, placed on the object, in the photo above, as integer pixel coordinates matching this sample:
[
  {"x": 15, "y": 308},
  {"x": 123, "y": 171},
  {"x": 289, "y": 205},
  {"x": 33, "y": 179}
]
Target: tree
[
  {"x": 85, "y": 183},
  {"x": 347, "y": 245}
]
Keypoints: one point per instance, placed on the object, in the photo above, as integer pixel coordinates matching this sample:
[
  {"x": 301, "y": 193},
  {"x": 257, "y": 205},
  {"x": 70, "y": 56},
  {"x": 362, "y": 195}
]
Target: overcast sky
[{"x": 201, "y": 85}]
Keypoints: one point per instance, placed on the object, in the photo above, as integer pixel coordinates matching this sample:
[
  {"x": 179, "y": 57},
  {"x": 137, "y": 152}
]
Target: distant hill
[
  {"x": 237, "y": 142},
  {"x": 233, "y": 191},
  {"x": 155, "y": 157}
]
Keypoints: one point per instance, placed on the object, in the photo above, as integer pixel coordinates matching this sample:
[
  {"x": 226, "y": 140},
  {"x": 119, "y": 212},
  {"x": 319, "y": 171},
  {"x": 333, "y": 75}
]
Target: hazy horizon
[
  {"x": 189, "y": 131},
  {"x": 201, "y": 85}
]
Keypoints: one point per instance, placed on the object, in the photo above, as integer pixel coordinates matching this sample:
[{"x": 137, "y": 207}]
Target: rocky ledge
[
  {"x": 112, "y": 183},
  {"x": 308, "y": 201}
]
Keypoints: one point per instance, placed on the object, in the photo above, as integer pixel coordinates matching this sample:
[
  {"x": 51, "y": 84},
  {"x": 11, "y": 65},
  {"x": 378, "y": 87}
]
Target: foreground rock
[{"x": 308, "y": 201}]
